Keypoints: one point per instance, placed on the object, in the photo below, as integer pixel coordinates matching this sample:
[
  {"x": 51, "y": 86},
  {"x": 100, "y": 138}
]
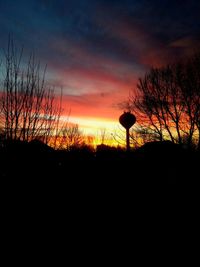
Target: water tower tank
[{"x": 127, "y": 119}]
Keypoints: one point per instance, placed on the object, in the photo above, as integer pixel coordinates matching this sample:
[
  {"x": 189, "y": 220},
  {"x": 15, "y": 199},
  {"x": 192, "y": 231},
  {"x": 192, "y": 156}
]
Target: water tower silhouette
[{"x": 127, "y": 119}]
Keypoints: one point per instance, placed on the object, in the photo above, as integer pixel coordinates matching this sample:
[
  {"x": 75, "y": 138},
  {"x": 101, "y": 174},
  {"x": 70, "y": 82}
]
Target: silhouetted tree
[
  {"x": 140, "y": 135},
  {"x": 27, "y": 105},
  {"x": 70, "y": 137},
  {"x": 190, "y": 84},
  {"x": 167, "y": 102},
  {"x": 103, "y": 137}
]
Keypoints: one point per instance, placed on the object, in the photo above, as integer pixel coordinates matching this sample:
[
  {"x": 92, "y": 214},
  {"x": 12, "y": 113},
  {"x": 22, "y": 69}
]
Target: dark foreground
[
  {"x": 153, "y": 164},
  {"x": 109, "y": 199},
  {"x": 85, "y": 189}
]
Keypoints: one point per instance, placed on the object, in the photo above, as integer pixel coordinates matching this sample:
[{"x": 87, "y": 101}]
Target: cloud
[
  {"x": 97, "y": 49},
  {"x": 80, "y": 71},
  {"x": 92, "y": 105}
]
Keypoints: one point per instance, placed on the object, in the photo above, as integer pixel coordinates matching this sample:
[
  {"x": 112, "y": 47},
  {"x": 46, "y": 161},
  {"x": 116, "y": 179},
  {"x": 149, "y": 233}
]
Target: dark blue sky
[{"x": 96, "y": 49}]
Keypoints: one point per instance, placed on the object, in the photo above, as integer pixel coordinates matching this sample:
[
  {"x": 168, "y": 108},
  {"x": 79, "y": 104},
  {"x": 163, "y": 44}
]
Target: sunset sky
[{"x": 97, "y": 49}]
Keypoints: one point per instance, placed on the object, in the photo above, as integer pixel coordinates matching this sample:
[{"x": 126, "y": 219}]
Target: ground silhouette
[{"x": 154, "y": 163}]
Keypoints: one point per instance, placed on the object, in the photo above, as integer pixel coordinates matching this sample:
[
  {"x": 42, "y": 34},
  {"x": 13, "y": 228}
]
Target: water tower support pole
[{"x": 127, "y": 140}]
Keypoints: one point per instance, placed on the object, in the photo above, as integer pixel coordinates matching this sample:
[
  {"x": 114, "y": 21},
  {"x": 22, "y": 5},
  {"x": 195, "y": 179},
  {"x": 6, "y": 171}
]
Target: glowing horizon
[{"x": 94, "y": 127}]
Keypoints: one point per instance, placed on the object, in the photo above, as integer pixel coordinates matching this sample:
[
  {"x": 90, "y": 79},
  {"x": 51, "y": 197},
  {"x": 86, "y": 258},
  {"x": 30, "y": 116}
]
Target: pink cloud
[
  {"x": 102, "y": 105},
  {"x": 94, "y": 89}
]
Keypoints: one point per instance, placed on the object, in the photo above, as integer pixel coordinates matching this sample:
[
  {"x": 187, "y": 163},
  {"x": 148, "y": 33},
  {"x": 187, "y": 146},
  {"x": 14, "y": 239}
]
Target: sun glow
[
  {"x": 91, "y": 125},
  {"x": 101, "y": 129}
]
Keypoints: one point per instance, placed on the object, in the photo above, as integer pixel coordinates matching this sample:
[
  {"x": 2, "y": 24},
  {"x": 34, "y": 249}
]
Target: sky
[{"x": 97, "y": 49}]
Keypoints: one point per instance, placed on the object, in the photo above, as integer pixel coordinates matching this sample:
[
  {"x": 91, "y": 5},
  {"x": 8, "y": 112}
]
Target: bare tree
[
  {"x": 103, "y": 137},
  {"x": 140, "y": 135},
  {"x": 167, "y": 101},
  {"x": 28, "y": 108},
  {"x": 191, "y": 96},
  {"x": 70, "y": 137}
]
